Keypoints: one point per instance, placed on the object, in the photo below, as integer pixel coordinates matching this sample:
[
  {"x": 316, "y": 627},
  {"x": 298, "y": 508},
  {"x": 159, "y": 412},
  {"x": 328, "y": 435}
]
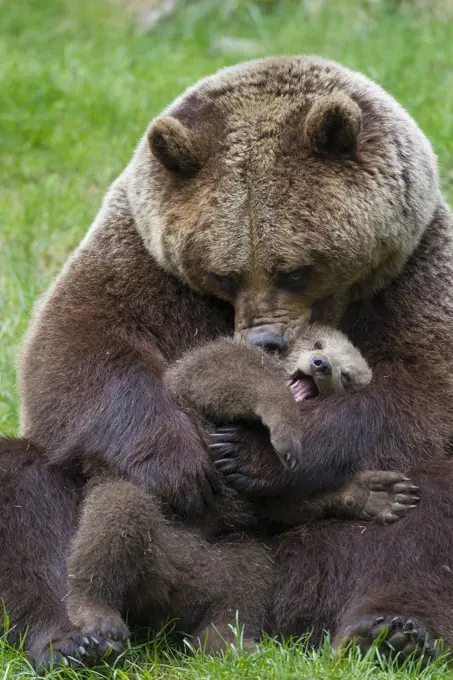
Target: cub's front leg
[
  {"x": 373, "y": 495},
  {"x": 226, "y": 382},
  {"x": 378, "y": 495}
]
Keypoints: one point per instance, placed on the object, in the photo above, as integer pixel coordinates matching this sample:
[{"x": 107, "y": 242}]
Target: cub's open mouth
[{"x": 302, "y": 386}]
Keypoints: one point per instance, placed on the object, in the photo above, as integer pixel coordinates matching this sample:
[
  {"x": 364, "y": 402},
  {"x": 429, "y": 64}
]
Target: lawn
[{"x": 79, "y": 85}]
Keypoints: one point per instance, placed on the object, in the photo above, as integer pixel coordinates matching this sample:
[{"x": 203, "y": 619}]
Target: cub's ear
[
  {"x": 175, "y": 146},
  {"x": 333, "y": 124}
]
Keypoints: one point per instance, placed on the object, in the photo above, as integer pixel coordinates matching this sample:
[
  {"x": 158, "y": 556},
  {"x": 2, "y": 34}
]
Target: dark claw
[
  {"x": 238, "y": 482},
  {"x": 225, "y": 464},
  {"x": 405, "y": 498},
  {"x": 410, "y": 626},
  {"x": 234, "y": 477},
  {"x": 223, "y": 449},
  {"x": 398, "y": 508},
  {"x": 222, "y": 452},
  {"x": 226, "y": 470},
  {"x": 396, "y": 623},
  {"x": 400, "y": 637},
  {"x": 225, "y": 457},
  {"x": 402, "y": 488},
  {"x": 115, "y": 645},
  {"x": 109, "y": 646}
]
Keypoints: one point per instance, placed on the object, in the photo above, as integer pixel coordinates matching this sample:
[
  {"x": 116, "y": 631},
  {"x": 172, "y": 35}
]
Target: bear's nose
[
  {"x": 320, "y": 365},
  {"x": 270, "y": 341}
]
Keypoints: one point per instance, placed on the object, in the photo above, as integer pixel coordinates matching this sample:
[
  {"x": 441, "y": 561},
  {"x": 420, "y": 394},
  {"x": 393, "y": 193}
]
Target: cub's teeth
[{"x": 302, "y": 389}]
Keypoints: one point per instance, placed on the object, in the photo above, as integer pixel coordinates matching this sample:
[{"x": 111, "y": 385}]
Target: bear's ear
[
  {"x": 333, "y": 124},
  {"x": 175, "y": 146}
]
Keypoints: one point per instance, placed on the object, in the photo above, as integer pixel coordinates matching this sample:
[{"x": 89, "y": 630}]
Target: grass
[
  {"x": 78, "y": 86},
  {"x": 272, "y": 661}
]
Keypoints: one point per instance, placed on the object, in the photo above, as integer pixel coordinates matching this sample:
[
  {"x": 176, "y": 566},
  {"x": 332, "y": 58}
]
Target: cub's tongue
[{"x": 303, "y": 388}]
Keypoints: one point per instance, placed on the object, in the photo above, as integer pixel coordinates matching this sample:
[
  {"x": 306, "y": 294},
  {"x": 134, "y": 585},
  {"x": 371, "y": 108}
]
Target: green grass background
[{"x": 78, "y": 85}]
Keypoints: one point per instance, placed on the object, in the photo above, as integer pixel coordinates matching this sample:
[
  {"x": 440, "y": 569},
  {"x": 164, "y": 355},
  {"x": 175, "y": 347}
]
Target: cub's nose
[
  {"x": 320, "y": 365},
  {"x": 270, "y": 341}
]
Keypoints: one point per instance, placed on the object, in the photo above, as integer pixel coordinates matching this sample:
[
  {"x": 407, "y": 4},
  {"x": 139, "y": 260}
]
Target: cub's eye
[
  {"x": 223, "y": 285},
  {"x": 318, "y": 345},
  {"x": 296, "y": 280},
  {"x": 346, "y": 380}
]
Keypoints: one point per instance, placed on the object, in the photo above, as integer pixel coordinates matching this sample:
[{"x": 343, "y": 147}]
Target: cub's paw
[
  {"x": 281, "y": 416},
  {"x": 397, "y": 637},
  {"x": 105, "y": 629},
  {"x": 287, "y": 445},
  {"x": 383, "y": 496},
  {"x": 109, "y": 636},
  {"x": 74, "y": 650}
]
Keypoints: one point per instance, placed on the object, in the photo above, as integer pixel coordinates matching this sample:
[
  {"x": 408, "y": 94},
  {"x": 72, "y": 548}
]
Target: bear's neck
[{"x": 387, "y": 325}]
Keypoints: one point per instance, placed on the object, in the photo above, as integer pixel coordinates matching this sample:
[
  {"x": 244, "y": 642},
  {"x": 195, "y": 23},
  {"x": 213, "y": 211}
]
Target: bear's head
[{"x": 287, "y": 186}]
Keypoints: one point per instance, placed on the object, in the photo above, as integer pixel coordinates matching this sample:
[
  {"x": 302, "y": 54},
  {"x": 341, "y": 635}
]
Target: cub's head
[
  {"x": 324, "y": 361},
  {"x": 286, "y": 186}
]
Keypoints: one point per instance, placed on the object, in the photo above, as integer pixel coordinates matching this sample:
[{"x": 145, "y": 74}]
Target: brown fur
[
  {"x": 343, "y": 368},
  {"x": 333, "y": 125},
  {"x": 402, "y": 419},
  {"x": 226, "y": 381},
  {"x": 39, "y": 511},
  {"x": 126, "y": 555},
  {"x": 280, "y": 232}
]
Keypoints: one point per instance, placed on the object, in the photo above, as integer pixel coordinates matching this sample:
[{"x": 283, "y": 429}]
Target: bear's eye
[
  {"x": 296, "y": 280},
  {"x": 223, "y": 285},
  {"x": 318, "y": 345}
]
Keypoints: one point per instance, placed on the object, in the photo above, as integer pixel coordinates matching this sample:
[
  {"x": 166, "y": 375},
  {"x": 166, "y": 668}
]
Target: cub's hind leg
[
  {"x": 126, "y": 554},
  {"x": 116, "y": 558}
]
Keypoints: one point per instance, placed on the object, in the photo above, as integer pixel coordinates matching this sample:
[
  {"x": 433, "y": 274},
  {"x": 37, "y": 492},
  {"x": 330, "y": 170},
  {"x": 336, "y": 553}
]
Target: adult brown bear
[{"x": 270, "y": 193}]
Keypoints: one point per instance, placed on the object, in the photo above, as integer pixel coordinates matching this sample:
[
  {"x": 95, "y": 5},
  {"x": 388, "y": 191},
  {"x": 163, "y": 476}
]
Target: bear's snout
[{"x": 268, "y": 337}]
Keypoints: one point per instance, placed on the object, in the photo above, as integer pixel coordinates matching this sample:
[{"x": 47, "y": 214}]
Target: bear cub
[{"x": 129, "y": 554}]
